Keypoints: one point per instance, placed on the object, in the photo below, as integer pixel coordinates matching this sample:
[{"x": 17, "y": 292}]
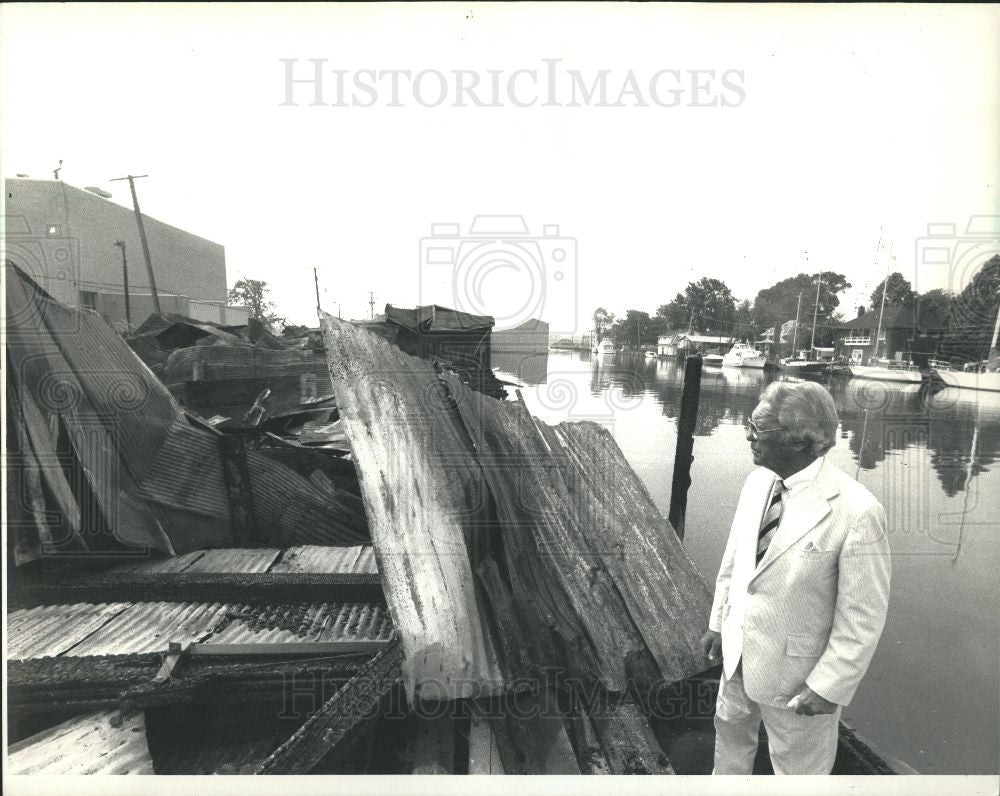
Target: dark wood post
[{"x": 684, "y": 454}]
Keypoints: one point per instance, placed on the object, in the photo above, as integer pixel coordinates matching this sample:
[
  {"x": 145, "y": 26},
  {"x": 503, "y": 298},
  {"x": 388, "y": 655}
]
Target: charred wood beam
[
  {"x": 109, "y": 681},
  {"x": 628, "y": 741},
  {"x": 345, "y": 717},
  {"x": 223, "y": 587}
]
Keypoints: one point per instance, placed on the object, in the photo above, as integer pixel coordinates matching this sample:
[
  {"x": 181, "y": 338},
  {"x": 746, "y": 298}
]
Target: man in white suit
[{"x": 802, "y": 591}]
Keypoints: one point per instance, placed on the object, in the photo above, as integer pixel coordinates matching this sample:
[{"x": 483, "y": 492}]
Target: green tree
[
  {"x": 933, "y": 308},
  {"x": 602, "y": 323},
  {"x": 252, "y": 294},
  {"x": 973, "y": 313},
  {"x": 635, "y": 327},
  {"x": 898, "y": 290},
  {"x": 777, "y": 304},
  {"x": 675, "y": 314}
]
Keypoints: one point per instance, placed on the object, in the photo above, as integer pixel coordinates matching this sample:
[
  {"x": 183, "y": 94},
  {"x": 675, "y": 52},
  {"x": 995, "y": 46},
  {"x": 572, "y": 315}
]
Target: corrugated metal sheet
[
  {"x": 305, "y": 623},
  {"x": 316, "y": 558},
  {"x": 186, "y": 473},
  {"x": 172, "y": 564},
  {"x": 236, "y": 559},
  {"x": 85, "y": 745},
  {"x": 149, "y": 627},
  {"x": 49, "y": 630}
]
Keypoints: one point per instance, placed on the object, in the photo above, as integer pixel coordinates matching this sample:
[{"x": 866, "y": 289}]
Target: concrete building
[{"x": 64, "y": 238}]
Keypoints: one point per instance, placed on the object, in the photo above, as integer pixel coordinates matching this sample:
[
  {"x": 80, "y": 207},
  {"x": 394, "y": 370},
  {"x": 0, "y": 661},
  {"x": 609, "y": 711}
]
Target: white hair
[{"x": 805, "y": 411}]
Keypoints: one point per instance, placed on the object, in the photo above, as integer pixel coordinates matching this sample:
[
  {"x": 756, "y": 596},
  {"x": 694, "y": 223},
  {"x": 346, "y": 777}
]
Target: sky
[{"x": 746, "y": 143}]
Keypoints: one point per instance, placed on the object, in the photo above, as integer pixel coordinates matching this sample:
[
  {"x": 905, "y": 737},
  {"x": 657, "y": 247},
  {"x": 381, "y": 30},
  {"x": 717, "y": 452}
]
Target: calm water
[{"x": 932, "y": 695}]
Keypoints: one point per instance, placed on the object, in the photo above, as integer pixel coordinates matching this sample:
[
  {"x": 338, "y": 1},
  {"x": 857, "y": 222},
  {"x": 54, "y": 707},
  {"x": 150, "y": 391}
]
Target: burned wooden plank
[
  {"x": 484, "y": 752},
  {"x": 531, "y": 734},
  {"x": 422, "y": 488},
  {"x": 342, "y": 719},
  {"x": 605, "y": 585},
  {"x": 216, "y": 587},
  {"x": 628, "y": 741},
  {"x": 435, "y": 745}
]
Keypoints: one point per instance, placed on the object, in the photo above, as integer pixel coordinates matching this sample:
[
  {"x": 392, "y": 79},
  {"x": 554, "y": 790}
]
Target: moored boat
[
  {"x": 711, "y": 359},
  {"x": 969, "y": 380},
  {"x": 798, "y": 367},
  {"x": 906, "y": 375},
  {"x": 744, "y": 355}
]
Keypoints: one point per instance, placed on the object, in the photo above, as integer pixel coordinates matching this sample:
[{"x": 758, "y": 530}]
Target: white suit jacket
[{"x": 813, "y": 610}]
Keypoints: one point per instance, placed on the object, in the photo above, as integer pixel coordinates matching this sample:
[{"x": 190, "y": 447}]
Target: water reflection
[{"x": 521, "y": 368}]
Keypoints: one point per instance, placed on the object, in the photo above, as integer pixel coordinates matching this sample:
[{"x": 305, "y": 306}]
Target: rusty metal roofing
[
  {"x": 317, "y": 558},
  {"x": 305, "y": 623},
  {"x": 52, "y": 629},
  {"x": 236, "y": 559},
  {"x": 149, "y": 627},
  {"x": 87, "y": 744}
]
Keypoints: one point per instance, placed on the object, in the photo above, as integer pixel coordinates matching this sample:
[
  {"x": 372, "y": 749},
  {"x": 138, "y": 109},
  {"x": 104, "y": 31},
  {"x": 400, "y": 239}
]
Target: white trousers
[{"x": 798, "y": 744}]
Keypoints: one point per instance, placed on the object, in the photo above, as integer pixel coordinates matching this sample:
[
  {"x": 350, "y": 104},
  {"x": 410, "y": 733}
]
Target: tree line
[{"x": 961, "y": 324}]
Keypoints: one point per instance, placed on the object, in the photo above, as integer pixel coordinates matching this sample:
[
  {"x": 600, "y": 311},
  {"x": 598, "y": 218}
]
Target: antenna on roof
[{"x": 55, "y": 172}]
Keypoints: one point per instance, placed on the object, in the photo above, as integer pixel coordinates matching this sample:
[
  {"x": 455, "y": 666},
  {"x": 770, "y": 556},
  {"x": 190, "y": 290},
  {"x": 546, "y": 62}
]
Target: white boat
[
  {"x": 970, "y": 380},
  {"x": 906, "y": 375},
  {"x": 711, "y": 359},
  {"x": 744, "y": 355},
  {"x": 650, "y": 355},
  {"x": 605, "y": 347},
  {"x": 985, "y": 376}
]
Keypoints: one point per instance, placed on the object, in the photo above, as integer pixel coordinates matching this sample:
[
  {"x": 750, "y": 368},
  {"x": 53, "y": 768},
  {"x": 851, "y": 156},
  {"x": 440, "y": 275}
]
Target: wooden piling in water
[{"x": 684, "y": 453}]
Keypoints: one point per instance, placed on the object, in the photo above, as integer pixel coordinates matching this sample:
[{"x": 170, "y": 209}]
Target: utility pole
[
  {"x": 142, "y": 237},
  {"x": 371, "y": 302},
  {"x": 128, "y": 310},
  {"x": 319, "y": 312}
]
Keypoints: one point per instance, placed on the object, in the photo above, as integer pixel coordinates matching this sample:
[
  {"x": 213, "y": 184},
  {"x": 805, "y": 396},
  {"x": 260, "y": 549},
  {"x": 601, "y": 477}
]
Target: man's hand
[
  {"x": 808, "y": 703},
  {"x": 711, "y": 645}
]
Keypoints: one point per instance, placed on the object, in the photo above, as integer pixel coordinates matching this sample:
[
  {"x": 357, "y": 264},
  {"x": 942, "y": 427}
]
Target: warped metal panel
[
  {"x": 48, "y": 630},
  {"x": 305, "y": 623},
  {"x": 418, "y": 479},
  {"x": 236, "y": 559},
  {"x": 150, "y": 627},
  {"x": 87, "y": 744},
  {"x": 319, "y": 558}
]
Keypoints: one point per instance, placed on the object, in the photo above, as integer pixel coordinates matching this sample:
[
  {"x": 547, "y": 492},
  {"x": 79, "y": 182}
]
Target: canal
[{"x": 931, "y": 697}]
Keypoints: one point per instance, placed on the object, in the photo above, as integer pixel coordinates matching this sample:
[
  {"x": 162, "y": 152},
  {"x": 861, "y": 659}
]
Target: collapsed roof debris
[{"x": 104, "y": 458}]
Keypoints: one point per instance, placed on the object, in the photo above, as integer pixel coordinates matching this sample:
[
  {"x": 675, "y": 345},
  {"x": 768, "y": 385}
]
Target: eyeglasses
[{"x": 751, "y": 427}]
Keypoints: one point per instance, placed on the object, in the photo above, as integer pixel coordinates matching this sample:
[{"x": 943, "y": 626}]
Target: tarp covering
[
  {"x": 505, "y": 545},
  {"x": 434, "y": 318}
]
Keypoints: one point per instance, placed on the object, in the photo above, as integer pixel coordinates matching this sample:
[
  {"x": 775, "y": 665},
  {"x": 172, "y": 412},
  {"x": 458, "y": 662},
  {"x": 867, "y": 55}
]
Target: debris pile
[{"x": 195, "y": 591}]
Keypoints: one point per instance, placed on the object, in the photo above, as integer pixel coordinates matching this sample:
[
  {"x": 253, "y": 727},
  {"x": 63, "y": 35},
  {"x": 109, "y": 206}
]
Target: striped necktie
[{"x": 772, "y": 518}]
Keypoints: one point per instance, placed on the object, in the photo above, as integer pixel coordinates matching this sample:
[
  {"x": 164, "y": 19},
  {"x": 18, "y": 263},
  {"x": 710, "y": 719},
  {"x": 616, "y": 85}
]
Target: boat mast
[
  {"x": 795, "y": 333},
  {"x": 881, "y": 312},
  {"x": 812, "y": 344}
]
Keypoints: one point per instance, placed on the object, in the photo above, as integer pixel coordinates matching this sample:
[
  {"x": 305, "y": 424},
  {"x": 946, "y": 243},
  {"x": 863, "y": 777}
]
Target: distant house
[
  {"x": 684, "y": 343},
  {"x": 64, "y": 238},
  {"x": 855, "y": 340}
]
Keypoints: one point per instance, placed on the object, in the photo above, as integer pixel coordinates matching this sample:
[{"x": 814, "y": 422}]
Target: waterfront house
[
  {"x": 855, "y": 340},
  {"x": 683, "y": 343}
]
